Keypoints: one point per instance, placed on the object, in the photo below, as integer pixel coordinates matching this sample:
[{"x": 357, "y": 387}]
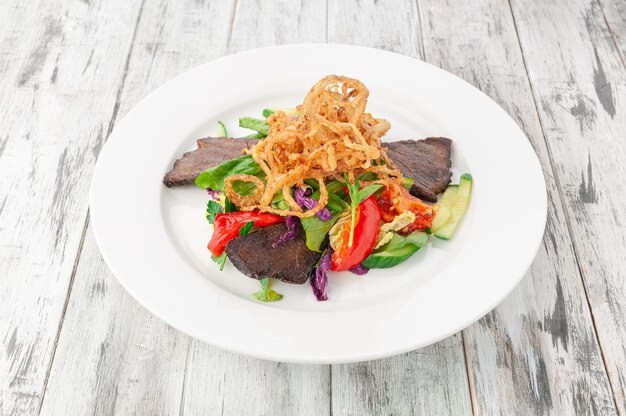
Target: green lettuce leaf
[
  {"x": 214, "y": 178},
  {"x": 255, "y": 124},
  {"x": 316, "y": 231}
]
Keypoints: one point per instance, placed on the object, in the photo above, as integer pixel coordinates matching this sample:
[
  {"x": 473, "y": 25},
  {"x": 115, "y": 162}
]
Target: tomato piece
[
  {"x": 227, "y": 225},
  {"x": 366, "y": 232},
  {"x": 393, "y": 202}
]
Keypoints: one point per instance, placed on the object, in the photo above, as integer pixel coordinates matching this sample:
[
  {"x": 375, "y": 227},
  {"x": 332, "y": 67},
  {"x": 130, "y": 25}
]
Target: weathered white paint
[
  {"x": 61, "y": 65},
  {"x": 131, "y": 362},
  {"x": 579, "y": 83},
  {"x": 535, "y": 354},
  {"x": 524, "y": 356},
  {"x": 113, "y": 357},
  {"x": 430, "y": 381},
  {"x": 615, "y": 14}
]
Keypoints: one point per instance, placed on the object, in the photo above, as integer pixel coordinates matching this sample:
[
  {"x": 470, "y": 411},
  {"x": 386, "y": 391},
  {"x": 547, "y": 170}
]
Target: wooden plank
[
  {"x": 432, "y": 380},
  {"x": 579, "y": 82},
  {"x": 48, "y": 143},
  {"x": 373, "y": 23},
  {"x": 615, "y": 15},
  {"x": 131, "y": 362},
  {"x": 429, "y": 381},
  {"x": 258, "y": 24},
  {"x": 171, "y": 37},
  {"x": 240, "y": 385},
  {"x": 120, "y": 359},
  {"x": 537, "y": 352}
]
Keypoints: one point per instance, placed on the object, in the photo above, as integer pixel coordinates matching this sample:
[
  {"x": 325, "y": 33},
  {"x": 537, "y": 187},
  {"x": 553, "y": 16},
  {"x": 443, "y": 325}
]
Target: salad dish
[
  {"x": 315, "y": 189},
  {"x": 419, "y": 287}
]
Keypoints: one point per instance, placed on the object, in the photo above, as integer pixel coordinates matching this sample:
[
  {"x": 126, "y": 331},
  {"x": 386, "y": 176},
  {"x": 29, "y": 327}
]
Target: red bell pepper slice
[
  {"x": 227, "y": 225},
  {"x": 366, "y": 233}
]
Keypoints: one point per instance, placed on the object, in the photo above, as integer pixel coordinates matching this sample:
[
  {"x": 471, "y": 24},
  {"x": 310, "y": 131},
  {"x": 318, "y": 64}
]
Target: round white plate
[{"x": 154, "y": 238}]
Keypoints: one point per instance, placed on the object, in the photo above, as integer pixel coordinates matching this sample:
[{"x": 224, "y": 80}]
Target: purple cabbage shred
[
  {"x": 293, "y": 228},
  {"x": 319, "y": 281},
  {"x": 359, "y": 269},
  {"x": 305, "y": 201},
  {"x": 213, "y": 194}
]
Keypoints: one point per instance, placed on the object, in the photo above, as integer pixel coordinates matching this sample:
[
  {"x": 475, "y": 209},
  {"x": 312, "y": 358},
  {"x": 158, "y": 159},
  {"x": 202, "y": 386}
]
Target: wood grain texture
[
  {"x": 70, "y": 70},
  {"x": 171, "y": 37},
  {"x": 375, "y": 24},
  {"x": 131, "y": 362},
  {"x": 579, "y": 93},
  {"x": 113, "y": 357},
  {"x": 615, "y": 14},
  {"x": 58, "y": 59},
  {"x": 432, "y": 380},
  {"x": 223, "y": 383},
  {"x": 429, "y": 381},
  {"x": 536, "y": 353}
]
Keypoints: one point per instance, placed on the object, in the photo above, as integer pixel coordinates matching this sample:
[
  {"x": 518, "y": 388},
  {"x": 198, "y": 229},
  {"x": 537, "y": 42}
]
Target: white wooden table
[{"x": 72, "y": 342}]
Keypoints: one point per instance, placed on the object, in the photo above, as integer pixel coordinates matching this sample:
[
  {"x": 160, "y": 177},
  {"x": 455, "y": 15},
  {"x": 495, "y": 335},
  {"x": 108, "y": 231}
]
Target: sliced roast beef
[
  {"x": 211, "y": 152},
  {"x": 253, "y": 255},
  {"x": 425, "y": 161}
]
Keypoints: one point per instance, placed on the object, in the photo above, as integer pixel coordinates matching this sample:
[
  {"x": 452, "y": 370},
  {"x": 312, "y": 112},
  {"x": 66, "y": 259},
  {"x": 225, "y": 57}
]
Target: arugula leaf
[
  {"x": 353, "y": 191},
  {"x": 246, "y": 228},
  {"x": 367, "y": 191},
  {"x": 212, "y": 209},
  {"x": 255, "y": 124},
  {"x": 266, "y": 294},
  {"x": 367, "y": 176},
  {"x": 214, "y": 178},
  {"x": 357, "y": 196}
]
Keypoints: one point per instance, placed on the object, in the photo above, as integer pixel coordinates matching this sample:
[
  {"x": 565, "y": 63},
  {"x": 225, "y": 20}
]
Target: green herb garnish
[
  {"x": 266, "y": 294},
  {"x": 220, "y": 260},
  {"x": 246, "y": 228},
  {"x": 213, "y": 208},
  {"x": 357, "y": 196}
]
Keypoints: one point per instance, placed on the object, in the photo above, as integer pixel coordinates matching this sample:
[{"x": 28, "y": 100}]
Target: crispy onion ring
[
  {"x": 333, "y": 135},
  {"x": 243, "y": 201}
]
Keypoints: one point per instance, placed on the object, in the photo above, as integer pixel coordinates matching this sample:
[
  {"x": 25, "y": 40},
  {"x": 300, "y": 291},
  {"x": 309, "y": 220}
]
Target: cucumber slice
[
  {"x": 385, "y": 259},
  {"x": 457, "y": 204},
  {"x": 445, "y": 208},
  {"x": 396, "y": 251},
  {"x": 220, "y": 130}
]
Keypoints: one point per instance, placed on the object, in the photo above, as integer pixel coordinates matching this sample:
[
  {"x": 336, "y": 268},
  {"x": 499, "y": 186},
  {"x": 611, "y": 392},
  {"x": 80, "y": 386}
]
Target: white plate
[{"x": 154, "y": 239}]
